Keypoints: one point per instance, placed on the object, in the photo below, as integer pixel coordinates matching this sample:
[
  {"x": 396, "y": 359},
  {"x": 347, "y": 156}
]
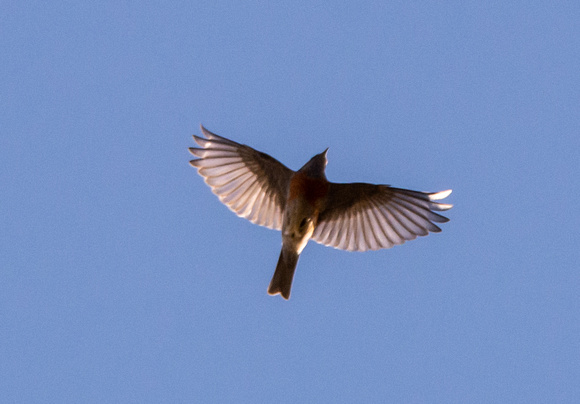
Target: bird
[{"x": 305, "y": 206}]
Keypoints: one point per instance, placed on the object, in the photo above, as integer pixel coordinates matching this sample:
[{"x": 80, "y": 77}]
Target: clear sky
[{"x": 124, "y": 279}]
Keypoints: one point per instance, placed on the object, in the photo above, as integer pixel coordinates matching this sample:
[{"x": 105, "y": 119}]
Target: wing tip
[
  {"x": 206, "y": 132},
  {"x": 200, "y": 141},
  {"x": 213, "y": 137},
  {"x": 443, "y": 206},
  {"x": 435, "y": 196}
]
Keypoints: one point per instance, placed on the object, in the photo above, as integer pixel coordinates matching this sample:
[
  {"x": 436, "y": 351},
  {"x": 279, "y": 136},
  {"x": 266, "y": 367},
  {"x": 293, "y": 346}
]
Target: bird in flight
[{"x": 304, "y": 205}]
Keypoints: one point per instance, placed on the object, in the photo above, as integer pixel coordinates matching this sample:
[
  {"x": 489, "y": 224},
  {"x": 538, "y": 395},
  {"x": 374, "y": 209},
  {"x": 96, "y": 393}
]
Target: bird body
[
  {"x": 304, "y": 205},
  {"x": 306, "y": 198}
]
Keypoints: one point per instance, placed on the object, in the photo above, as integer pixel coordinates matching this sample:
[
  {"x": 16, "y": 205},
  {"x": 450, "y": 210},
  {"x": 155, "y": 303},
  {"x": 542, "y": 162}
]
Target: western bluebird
[{"x": 304, "y": 205}]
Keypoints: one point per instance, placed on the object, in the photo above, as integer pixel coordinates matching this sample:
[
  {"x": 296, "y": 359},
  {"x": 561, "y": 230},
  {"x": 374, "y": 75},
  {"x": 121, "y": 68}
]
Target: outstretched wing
[
  {"x": 250, "y": 183},
  {"x": 361, "y": 217}
]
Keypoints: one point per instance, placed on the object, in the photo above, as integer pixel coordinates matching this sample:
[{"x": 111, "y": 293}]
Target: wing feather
[
  {"x": 250, "y": 183},
  {"x": 361, "y": 217},
  {"x": 387, "y": 240}
]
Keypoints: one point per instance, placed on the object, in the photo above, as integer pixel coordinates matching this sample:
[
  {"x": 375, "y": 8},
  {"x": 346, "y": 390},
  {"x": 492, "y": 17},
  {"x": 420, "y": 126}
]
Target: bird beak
[{"x": 325, "y": 158}]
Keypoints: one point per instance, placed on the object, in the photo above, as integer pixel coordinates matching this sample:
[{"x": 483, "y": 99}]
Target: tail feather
[{"x": 282, "y": 279}]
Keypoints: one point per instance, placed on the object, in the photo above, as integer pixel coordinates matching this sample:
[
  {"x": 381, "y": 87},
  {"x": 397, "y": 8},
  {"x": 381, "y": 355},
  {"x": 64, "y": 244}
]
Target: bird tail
[{"x": 282, "y": 280}]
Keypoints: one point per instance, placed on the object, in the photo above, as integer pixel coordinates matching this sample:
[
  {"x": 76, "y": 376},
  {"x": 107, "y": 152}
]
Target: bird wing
[
  {"x": 251, "y": 183},
  {"x": 361, "y": 217}
]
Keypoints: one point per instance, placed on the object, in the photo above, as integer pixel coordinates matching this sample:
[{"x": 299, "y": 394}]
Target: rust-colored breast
[{"x": 313, "y": 190}]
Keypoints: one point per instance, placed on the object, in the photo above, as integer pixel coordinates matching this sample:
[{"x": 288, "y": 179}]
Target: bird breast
[{"x": 300, "y": 218}]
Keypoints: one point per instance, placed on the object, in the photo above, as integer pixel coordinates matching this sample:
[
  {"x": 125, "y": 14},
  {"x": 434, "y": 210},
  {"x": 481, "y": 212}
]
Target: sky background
[{"x": 124, "y": 279}]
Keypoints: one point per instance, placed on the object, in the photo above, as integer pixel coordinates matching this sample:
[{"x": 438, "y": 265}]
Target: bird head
[{"x": 316, "y": 166}]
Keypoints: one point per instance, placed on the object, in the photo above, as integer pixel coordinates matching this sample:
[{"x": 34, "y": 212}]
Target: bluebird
[{"x": 304, "y": 205}]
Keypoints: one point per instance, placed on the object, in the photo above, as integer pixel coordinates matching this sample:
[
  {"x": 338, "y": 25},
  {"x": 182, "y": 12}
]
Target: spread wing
[
  {"x": 250, "y": 183},
  {"x": 361, "y": 217}
]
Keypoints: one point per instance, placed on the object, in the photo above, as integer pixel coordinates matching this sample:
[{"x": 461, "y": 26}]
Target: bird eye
[{"x": 303, "y": 222}]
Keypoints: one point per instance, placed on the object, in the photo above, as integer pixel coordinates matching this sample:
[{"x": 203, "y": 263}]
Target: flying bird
[{"x": 304, "y": 205}]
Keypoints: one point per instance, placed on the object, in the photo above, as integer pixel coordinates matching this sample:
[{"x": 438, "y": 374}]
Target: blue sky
[{"x": 123, "y": 279}]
